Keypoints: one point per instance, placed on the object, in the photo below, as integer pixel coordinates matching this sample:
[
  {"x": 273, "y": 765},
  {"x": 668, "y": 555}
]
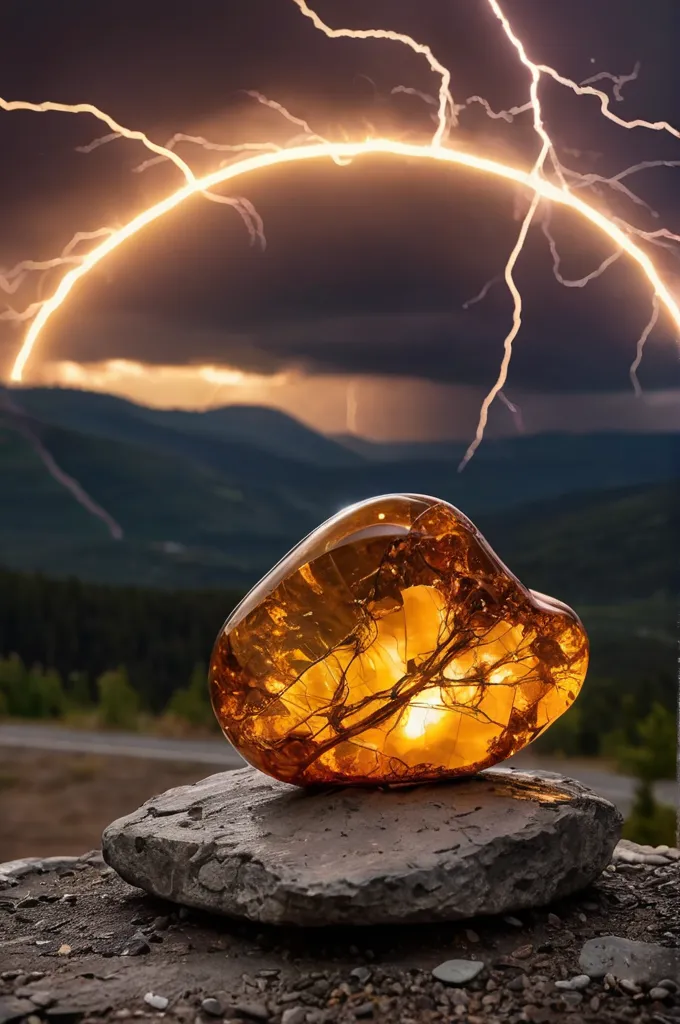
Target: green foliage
[
  {"x": 564, "y": 737},
  {"x": 592, "y": 548},
  {"x": 50, "y": 694},
  {"x": 13, "y": 684},
  {"x": 192, "y": 704},
  {"x": 649, "y": 755},
  {"x": 78, "y": 627},
  {"x": 31, "y": 693},
  {"x": 650, "y": 823},
  {"x": 653, "y": 755},
  {"x": 604, "y": 719},
  {"x": 118, "y": 703}
]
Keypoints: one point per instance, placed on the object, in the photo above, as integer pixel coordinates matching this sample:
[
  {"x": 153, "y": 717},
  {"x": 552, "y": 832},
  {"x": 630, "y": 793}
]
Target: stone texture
[
  {"x": 242, "y": 844},
  {"x": 12, "y": 870},
  {"x": 14, "y": 1009},
  {"x": 392, "y": 645},
  {"x": 457, "y": 972},
  {"x": 643, "y": 962}
]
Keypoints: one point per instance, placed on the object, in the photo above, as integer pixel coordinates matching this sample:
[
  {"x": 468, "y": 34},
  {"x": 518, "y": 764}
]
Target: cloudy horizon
[
  {"x": 358, "y": 309},
  {"x": 394, "y": 409}
]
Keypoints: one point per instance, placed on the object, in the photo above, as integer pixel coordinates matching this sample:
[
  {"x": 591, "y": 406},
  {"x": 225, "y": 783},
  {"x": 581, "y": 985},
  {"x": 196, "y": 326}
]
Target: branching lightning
[
  {"x": 21, "y": 423},
  {"x": 548, "y": 181},
  {"x": 446, "y": 106}
]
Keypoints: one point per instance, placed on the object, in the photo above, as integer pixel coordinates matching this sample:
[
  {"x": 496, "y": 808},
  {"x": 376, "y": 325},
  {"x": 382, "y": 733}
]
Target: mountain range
[{"x": 215, "y": 498}]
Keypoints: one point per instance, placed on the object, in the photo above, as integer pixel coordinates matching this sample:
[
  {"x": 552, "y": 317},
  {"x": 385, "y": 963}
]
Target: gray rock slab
[
  {"x": 244, "y": 845},
  {"x": 643, "y": 962}
]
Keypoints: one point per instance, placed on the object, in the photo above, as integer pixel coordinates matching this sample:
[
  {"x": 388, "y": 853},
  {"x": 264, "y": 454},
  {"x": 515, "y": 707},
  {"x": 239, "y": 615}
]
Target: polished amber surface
[{"x": 392, "y": 646}]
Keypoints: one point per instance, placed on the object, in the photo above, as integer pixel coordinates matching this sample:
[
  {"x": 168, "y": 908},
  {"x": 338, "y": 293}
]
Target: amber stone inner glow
[{"x": 392, "y": 646}]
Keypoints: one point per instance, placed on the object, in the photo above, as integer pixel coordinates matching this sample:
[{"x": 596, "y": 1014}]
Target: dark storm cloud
[
  {"x": 367, "y": 274},
  {"x": 449, "y": 348}
]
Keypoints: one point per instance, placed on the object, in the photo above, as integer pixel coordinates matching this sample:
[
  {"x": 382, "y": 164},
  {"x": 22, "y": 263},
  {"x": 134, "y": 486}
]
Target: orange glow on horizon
[
  {"x": 347, "y": 151},
  {"x": 437, "y": 151}
]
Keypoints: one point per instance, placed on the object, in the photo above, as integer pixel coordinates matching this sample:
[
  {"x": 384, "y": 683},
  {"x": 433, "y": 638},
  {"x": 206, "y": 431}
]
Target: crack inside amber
[{"x": 392, "y": 646}]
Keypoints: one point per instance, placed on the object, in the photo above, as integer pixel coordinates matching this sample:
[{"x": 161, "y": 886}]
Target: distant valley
[{"x": 215, "y": 498}]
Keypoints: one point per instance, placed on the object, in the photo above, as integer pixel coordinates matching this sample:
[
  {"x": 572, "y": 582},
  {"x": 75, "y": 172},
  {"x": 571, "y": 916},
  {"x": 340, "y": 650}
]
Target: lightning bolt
[
  {"x": 18, "y": 418},
  {"x": 261, "y": 157},
  {"x": 446, "y": 105}
]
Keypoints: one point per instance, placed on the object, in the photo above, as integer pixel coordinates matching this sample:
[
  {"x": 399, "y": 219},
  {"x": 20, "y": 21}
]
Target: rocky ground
[{"x": 79, "y": 944}]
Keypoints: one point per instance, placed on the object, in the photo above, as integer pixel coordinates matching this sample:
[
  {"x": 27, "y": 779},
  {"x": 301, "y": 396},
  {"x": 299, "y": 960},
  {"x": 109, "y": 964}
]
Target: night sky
[{"x": 367, "y": 267}]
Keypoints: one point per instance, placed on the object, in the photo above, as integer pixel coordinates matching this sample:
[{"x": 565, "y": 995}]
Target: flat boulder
[{"x": 242, "y": 844}]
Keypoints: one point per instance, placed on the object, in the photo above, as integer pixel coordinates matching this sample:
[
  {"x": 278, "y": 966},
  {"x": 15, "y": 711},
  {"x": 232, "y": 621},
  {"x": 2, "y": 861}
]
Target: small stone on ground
[
  {"x": 641, "y": 962},
  {"x": 457, "y": 972},
  {"x": 156, "y": 1002}
]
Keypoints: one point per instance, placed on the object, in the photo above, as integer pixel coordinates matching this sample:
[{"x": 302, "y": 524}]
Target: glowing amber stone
[{"x": 392, "y": 645}]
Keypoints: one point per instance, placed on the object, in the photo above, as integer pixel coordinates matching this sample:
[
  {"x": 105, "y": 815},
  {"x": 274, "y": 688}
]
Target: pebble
[
  {"x": 471, "y": 936},
  {"x": 575, "y": 984},
  {"x": 294, "y": 1015},
  {"x": 668, "y": 984},
  {"x": 256, "y": 1011},
  {"x": 629, "y": 986},
  {"x": 363, "y": 1011},
  {"x": 136, "y": 946},
  {"x": 156, "y": 1002},
  {"x": 290, "y": 997},
  {"x": 523, "y": 952},
  {"x": 42, "y": 999},
  {"x": 458, "y": 972},
  {"x": 580, "y": 981},
  {"x": 362, "y": 974},
  {"x": 212, "y": 1007},
  {"x": 572, "y": 998},
  {"x": 514, "y": 922},
  {"x": 659, "y": 993}
]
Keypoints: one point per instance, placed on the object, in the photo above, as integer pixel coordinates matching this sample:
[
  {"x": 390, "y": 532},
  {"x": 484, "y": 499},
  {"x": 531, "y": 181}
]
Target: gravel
[{"x": 206, "y": 969}]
